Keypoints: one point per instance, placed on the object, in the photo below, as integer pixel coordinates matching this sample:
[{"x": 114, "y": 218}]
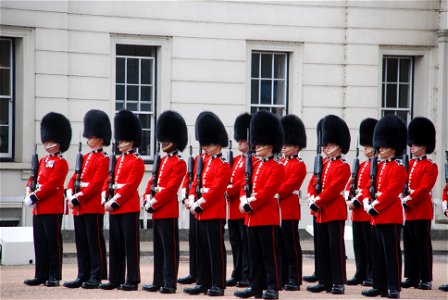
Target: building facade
[{"x": 355, "y": 59}]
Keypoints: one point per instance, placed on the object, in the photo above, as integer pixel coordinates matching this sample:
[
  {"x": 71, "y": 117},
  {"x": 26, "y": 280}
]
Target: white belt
[
  {"x": 159, "y": 188},
  {"x": 83, "y": 184},
  {"x": 296, "y": 192},
  {"x": 205, "y": 190},
  {"x": 118, "y": 185}
]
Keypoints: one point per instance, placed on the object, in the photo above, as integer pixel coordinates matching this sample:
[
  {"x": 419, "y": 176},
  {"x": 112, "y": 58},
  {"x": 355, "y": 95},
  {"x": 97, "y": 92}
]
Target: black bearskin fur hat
[
  {"x": 266, "y": 129},
  {"x": 241, "y": 127},
  {"x": 171, "y": 127},
  {"x": 127, "y": 127},
  {"x": 97, "y": 124},
  {"x": 366, "y": 129},
  {"x": 390, "y": 132},
  {"x": 56, "y": 127},
  {"x": 210, "y": 130},
  {"x": 294, "y": 131},
  {"x": 335, "y": 130},
  {"x": 421, "y": 132}
]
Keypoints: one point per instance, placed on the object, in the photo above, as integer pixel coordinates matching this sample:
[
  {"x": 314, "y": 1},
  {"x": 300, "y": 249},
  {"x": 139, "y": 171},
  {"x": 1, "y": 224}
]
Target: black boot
[
  {"x": 311, "y": 278},
  {"x": 338, "y": 289},
  {"x": 150, "y": 288},
  {"x": 270, "y": 294},
  {"x": 393, "y": 294},
  {"x": 52, "y": 282},
  {"x": 408, "y": 283},
  {"x": 215, "y": 291},
  {"x": 186, "y": 280},
  {"x": 374, "y": 293},
  {"x": 34, "y": 281},
  {"x": 196, "y": 290},
  {"x": 249, "y": 292},
  {"x": 73, "y": 284},
  {"x": 317, "y": 288},
  {"x": 109, "y": 286},
  {"x": 90, "y": 285}
]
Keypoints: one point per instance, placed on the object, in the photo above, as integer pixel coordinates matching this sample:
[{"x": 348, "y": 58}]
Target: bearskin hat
[
  {"x": 390, "y": 132},
  {"x": 210, "y": 130},
  {"x": 421, "y": 132},
  {"x": 366, "y": 129},
  {"x": 56, "y": 127},
  {"x": 335, "y": 130},
  {"x": 127, "y": 127},
  {"x": 266, "y": 129},
  {"x": 97, "y": 124},
  {"x": 319, "y": 130},
  {"x": 241, "y": 126},
  {"x": 171, "y": 127},
  {"x": 294, "y": 131}
]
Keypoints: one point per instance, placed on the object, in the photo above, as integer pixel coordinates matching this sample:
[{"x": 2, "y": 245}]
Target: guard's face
[
  {"x": 211, "y": 149},
  {"x": 243, "y": 146},
  {"x": 368, "y": 151},
  {"x": 51, "y": 147},
  {"x": 418, "y": 151},
  {"x": 288, "y": 150},
  {"x": 168, "y": 146},
  {"x": 124, "y": 146},
  {"x": 94, "y": 142},
  {"x": 386, "y": 153},
  {"x": 332, "y": 150},
  {"x": 263, "y": 150}
]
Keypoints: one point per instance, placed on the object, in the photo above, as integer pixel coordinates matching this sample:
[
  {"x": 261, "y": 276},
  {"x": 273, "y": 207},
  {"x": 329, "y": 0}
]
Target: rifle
[
  {"x": 373, "y": 173},
  {"x": 446, "y": 167},
  {"x": 34, "y": 169},
  {"x": 78, "y": 169},
  {"x": 155, "y": 171},
  {"x": 355, "y": 170},
  {"x": 112, "y": 164},
  {"x": 190, "y": 171},
  {"x": 230, "y": 154},
  {"x": 318, "y": 168},
  {"x": 405, "y": 161},
  {"x": 249, "y": 170},
  {"x": 199, "y": 169}
]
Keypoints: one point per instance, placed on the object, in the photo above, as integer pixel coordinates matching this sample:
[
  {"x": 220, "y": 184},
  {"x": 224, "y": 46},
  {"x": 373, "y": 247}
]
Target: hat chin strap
[
  {"x": 332, "y": 149},
  {"x": 51, "y": 146},
  {"x": 385, "y": 151},
  {"x": 123, "y": 146},
  {"x": 211, "y": 149}
]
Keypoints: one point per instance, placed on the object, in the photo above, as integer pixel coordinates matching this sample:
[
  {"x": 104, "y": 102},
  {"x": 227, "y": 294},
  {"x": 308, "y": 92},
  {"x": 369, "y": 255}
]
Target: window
[
  {"x": 6, "y": 97},
  {"x": 269, "y": 82},
  {"x": 135, "y": 88},
  {"x": 397, "y": 90}
]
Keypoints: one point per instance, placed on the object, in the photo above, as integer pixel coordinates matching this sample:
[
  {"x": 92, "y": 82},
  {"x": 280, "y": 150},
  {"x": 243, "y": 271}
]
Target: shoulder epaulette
[
  {"x": 137, "y": 155},
  {"x": 179, "y": 156},
  {"x": 104, "y": 153},
  {"x": 223, "y": 159}
]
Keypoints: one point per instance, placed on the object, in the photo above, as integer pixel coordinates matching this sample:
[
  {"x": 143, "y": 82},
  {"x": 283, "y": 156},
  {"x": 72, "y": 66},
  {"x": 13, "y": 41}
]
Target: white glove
[
  {"x": 366, "y": 204},
  {"x": 405, "y": 200},
  {"x": 310, "y": 200},
  {"x": 69, "y": 193},
  {"x": 103, "y": 198},
  {"x": 28, "y": 201},
  {"x": 445, "y": 205}
]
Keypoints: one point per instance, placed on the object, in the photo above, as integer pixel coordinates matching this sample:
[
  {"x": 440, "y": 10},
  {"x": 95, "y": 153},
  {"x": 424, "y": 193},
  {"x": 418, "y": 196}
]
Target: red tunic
[
  {"x": 172, "y": 171},
  {"x": 358, "y": 213},
  {"x": 237, "y": 180},
  {"x": 422, "y": 178},
  {"x": 50, "y": 185},
  {"x": 295, "y": 172},
  {"x": 332, "y": 206},
  {"x": 445, "y": 193},
  {"x": 95, "y": 168},
  {"x": 389, "y": 184},
  {"x": 267, "y": 178},
  {"x": 128, "y": 175},
  {"x": 215, "y": 178}
]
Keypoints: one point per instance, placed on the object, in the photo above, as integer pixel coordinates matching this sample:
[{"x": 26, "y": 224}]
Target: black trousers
[
  {"x": 290, "y": 252},
  {"x": 386, "y": 256},
  {"x": 362, "y": 243},
  {"x": 211, "y": 259},
  {"x": 48, "y": 246},
  {"x": 332, "y": 257},
  {"x": 90, "y": 247},
  {"x": 238, "y": 242},
  {"x": 316, "y": 247},
  {"x": 417, "y": 250},
  {"x": 166, "y": 252},
  {"x": 124, "y": 248},
  {"x": 192, "y": 243},
  {"x": 264, "y": 258}
]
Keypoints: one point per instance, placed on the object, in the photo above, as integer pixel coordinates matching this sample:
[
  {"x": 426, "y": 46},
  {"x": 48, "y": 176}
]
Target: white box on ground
[
  {"x": 348, "y": 239},
  {"x": 16, "y": 245}
]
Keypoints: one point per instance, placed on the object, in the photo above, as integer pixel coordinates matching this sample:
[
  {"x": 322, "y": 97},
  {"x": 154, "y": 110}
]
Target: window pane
[
  {"x": 132, "y": 105},
  {"x": 278, "y": 111},
  {"x": 4, "y": 111},
  {"x": 5, "y": 83},
  {"x": 132, "y": 92},
  {"x": 266, "y": 88},
  {"x": 4, "y": 139},
  {"x": 5, "y": 53},
  {"x": 404, "y": 96},
  {"x": 266, "y": 65},
  {"x": 145, "y": 146},
  {"x": 132, "y": 69},
  {"x": 253, "y": 109},
  {"x": 119, "y": 73},
  {"x": 279, "y": 92},
  {"x": 391, "y": 100},
  {"x": 279, "y": 66},
  {"x": 254, "y": 92},
  {"x": 255, "y": 65},
  {"x": 404, "y": 70},
  {"x": 384, "y": 69},
  {"x": 146, "y": 106},
  {"x": 145, "y": 119},
  {"x": 383, "y": 97},
  {"x": 146, "y": 71},
  {"x": 134, "y": 50},
  {"x": 119, "y": 92},
  {"x": 392, "y": 68},
  {"x": 388, "y": 112},
  {"x": 145, "y": 93},
  {"x": 403, "y": 115},
  {"x": 119, "y": 105}
]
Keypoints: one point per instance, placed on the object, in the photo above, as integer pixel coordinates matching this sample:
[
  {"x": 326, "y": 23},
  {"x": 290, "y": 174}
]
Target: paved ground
[{"x": 12, "y": 287}]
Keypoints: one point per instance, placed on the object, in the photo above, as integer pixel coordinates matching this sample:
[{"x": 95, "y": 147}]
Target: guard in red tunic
[
  {"x": 88, "y": 213},
  {"x": 237, "y": 229},
  {"x": 210, "y": 208},
  {"x": 389, "y": 138},
  {"x": 418, "y": 205},
  {"x": 360, "y": 219},
  {"x": 48, "y": 200},
  {"x": 124, "y": 206},
  {"x": 261, "y": 207},
  {"x": 330, "y": 206},
  {"x": 161, "y": 200},
  {"x": 444, "y": 287},
  {"x": 288, "y": 195}
]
